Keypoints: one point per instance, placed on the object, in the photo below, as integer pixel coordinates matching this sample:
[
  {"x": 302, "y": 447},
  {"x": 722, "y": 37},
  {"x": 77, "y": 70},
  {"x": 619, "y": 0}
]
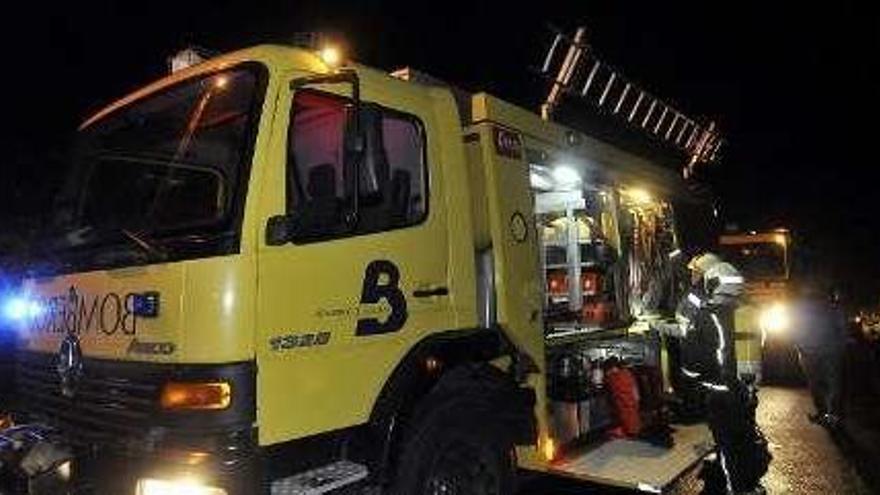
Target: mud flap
[{"x": 639, "y": 465}]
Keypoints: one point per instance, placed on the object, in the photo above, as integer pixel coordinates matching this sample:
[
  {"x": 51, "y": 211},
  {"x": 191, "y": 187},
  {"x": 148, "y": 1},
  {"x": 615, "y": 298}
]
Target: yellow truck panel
[{"x": 203, "y": 312}]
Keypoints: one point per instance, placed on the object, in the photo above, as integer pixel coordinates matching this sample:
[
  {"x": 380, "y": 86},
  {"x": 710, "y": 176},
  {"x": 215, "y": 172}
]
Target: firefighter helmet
[{"x": 703, "y": 262}]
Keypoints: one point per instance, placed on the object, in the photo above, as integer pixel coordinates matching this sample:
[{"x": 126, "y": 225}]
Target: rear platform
[{"x": 639, "y": 465}]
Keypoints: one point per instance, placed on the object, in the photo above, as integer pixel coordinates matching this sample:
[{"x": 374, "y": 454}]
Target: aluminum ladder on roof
[{"x": 580, "y": 73}]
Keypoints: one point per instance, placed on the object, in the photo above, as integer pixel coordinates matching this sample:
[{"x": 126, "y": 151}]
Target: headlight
[
  {"x": 178, "y": 487},
  {"x": 775, "y": 318}
]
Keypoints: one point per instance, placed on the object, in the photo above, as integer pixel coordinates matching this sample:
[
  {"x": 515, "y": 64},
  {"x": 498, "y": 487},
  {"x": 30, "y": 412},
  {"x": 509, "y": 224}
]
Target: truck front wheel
[{"x": 455, "y": 451}]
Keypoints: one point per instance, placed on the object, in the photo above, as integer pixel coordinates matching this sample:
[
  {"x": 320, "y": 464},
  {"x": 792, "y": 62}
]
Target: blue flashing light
[
  {"x": 15, "y": 308},
  {"x": 34, "y": 309},
  {"x": 20, "y": 308}
]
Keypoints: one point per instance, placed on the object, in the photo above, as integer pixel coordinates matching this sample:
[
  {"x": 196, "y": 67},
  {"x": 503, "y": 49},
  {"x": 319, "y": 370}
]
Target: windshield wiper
[
  {"x": 153, "y": 250},
  {"x": 90, "y": 237},
  {"x": 40, "y": 261}
]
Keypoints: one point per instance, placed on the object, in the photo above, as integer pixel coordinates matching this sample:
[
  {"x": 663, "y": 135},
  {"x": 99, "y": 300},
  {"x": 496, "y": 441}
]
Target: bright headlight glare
[
  {"x": 775, "y": 318},
  {"x": 187, "y": 486}
]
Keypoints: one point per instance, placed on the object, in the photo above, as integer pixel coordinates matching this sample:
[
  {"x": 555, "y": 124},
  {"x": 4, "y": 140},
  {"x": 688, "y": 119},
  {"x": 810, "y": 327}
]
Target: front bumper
[
  {"x": 231, "y": 466},
  {"x": 119, "y": 435}
]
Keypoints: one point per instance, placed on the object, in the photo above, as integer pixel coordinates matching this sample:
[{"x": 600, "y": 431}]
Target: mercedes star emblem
[{"x": 69, "y": 365}]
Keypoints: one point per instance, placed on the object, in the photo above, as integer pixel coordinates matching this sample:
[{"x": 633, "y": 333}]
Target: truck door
[{"x": 365, "y": 276}]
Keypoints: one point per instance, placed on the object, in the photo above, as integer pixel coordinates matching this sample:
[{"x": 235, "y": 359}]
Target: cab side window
[
  {"x": 337, "y": 188},
  {"x": 315, "y": 185}
]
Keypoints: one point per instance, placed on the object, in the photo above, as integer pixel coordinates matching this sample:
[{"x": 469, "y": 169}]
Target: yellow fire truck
[
  {"x": 269, "y": 274},
  {"x": 764, "y": 259}
]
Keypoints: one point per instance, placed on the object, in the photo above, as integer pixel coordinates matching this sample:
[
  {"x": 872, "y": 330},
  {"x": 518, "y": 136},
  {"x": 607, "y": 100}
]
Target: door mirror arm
[
  {"x": 355, "y": 141},
  {"x": 280, "y": 229}
]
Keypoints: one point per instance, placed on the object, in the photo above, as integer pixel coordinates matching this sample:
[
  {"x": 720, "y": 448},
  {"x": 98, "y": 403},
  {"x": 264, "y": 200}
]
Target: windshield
[
  {"x": 757, "y": 260},
  {"x": 172, "y": 164}
]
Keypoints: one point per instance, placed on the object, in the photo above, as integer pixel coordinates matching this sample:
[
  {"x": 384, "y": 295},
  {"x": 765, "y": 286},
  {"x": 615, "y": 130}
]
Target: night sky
[{"x": 789, "y": 84}]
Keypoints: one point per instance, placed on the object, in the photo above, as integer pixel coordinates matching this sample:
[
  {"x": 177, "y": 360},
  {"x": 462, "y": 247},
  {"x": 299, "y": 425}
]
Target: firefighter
[
  {"x": 704, "y": 323},
  {"x": 820, "y": 338}
]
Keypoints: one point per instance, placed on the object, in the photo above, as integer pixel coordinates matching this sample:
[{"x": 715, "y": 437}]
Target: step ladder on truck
[{"x": 283, "y": 275}]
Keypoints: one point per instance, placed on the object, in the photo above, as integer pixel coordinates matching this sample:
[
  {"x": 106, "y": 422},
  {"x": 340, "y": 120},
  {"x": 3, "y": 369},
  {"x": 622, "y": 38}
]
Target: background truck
[
  {"x": 268, "y": 274},
  {"x": 764, "y": 258}
]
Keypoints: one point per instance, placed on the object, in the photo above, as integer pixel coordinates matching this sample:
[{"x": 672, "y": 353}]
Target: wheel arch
[{"x": 445, "y": 365}]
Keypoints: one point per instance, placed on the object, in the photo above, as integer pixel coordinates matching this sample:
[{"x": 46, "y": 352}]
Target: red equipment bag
[{"x": 625, "y": 396}]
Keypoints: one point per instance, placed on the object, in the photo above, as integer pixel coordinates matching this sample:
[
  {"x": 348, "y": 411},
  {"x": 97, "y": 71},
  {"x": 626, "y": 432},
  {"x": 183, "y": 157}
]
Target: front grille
[{"x": 112, "y": 403}]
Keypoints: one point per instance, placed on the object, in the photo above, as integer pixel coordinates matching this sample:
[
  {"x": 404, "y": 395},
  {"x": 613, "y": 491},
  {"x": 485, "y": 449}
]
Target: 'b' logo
[{"x": 373, "y": 292}]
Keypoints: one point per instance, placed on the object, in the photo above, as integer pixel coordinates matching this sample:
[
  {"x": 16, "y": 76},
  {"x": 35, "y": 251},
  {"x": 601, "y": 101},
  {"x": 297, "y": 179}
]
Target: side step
[{"x": 324, "y": 479}]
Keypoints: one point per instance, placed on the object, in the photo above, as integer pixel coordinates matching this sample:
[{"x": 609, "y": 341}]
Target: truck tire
[{"x": 453, "y": 450}]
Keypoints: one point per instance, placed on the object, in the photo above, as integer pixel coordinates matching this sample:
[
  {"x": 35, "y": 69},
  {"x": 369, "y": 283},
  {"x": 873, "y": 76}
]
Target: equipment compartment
[{"x": 591, "y": 379}]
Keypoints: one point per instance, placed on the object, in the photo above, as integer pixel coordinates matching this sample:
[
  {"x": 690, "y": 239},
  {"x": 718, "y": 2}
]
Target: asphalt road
[{"x": 806, "y": 459}]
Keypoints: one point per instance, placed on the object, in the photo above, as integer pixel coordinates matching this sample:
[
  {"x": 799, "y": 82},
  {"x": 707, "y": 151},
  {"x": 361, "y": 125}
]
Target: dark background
[{"x": 791, "y": 86}]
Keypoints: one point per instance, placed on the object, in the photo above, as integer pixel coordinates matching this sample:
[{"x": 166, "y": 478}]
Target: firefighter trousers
[
  {"x": 742, "y": 448},
  {"x": 823, "y": 369}
]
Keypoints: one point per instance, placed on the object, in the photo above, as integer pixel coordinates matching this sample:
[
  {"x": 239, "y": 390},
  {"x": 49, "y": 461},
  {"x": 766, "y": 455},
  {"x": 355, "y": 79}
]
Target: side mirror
[{"x": 279, "y": 230}]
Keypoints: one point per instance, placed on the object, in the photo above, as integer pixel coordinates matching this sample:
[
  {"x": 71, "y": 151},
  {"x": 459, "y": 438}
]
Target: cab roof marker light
[
  {"x": 187, "y": 58},
  {"x": 331, "y": 55}
]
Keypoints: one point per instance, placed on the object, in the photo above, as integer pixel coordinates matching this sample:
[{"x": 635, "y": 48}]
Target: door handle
[{"x": 431, "y": 292}]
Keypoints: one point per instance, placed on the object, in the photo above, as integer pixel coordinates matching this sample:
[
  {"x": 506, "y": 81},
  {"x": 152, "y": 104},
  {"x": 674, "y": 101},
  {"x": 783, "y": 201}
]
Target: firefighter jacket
[{"x": 706, "y": 332}]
